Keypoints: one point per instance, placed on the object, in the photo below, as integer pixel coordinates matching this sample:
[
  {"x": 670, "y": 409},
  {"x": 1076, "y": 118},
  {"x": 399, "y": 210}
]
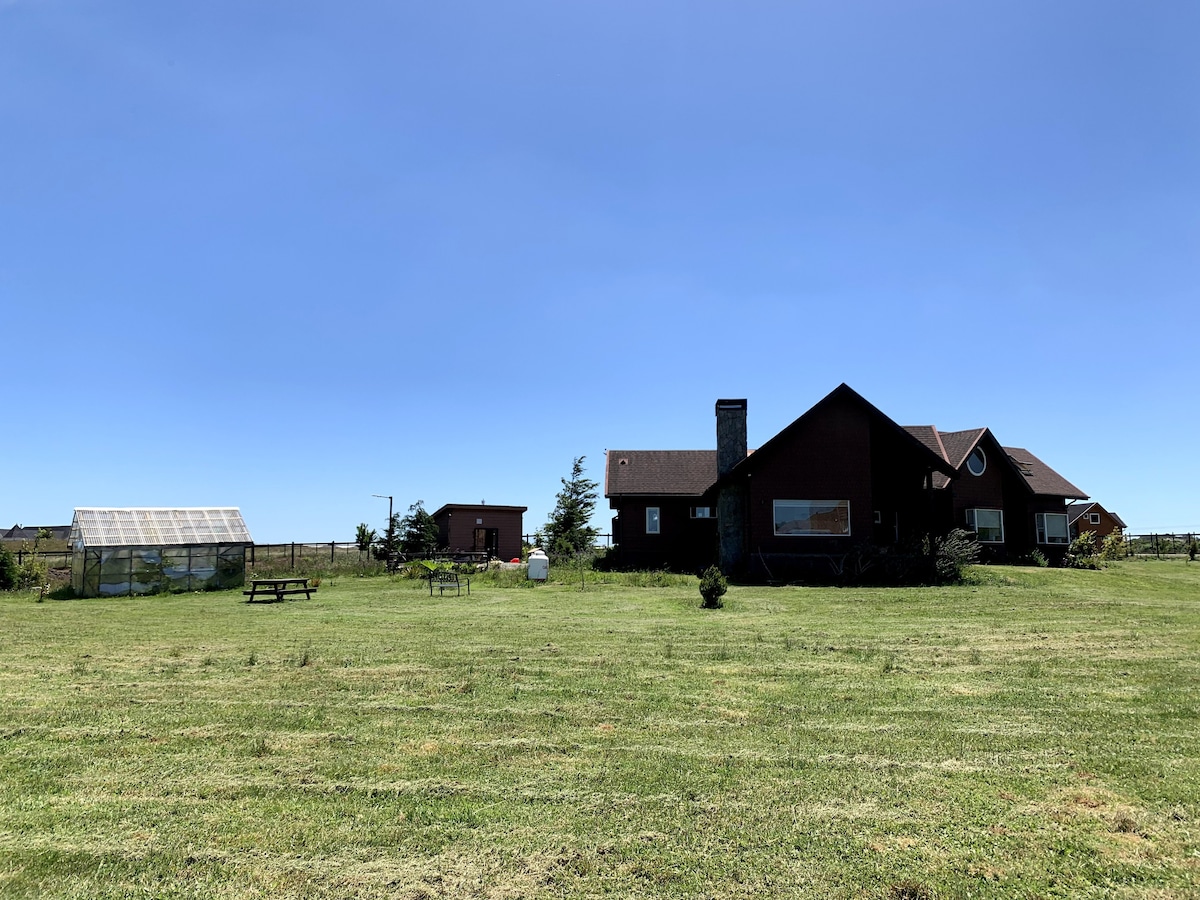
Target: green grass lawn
[{"x": 1034, "y": 734}]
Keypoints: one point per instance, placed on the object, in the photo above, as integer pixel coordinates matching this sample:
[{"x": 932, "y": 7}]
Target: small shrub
[
  {"x": 712, "y": 588},
  {"x": 1193, "y": 549},
  {"x": 953, "y": 553},
  {"x": 1038, "y": 558},
  {"x": 1081, "y": 554},
  {"x": 1113, "y": 546},
  {"x": 32, "y": 572},
  {"x": 8, "y": 570}
]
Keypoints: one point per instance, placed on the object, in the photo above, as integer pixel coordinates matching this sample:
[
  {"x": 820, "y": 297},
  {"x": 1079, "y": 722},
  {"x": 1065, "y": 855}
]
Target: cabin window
[
  {"x": 1094, "y": 518},
  {"x": 1052, "y": 528},
  {"x": 988, "y": 525},
  {"x": 702, "y": 512},
  {"x": 812, "y": 517},
  {"x": 652, "y": 520},
  {"x": 976, "y": 462}
]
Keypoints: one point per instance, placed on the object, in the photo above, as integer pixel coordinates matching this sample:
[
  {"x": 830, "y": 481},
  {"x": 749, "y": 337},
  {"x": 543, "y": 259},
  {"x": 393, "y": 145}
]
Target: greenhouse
[{"x": 146, "y": 551}]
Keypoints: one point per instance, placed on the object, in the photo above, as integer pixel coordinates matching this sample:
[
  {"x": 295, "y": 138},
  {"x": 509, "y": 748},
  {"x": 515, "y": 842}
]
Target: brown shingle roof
[
  {"x": 959, "y": 444},
  {"x": 683, "y": 473},
  {"x": 1040, "y": 477},
  {"x": 956, "y": 446},
  {"x": 929, "y": 436}
]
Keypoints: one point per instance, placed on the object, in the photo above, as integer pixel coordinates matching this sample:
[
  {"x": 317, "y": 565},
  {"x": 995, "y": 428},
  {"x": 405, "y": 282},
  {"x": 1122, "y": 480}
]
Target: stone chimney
[{"x": 732, "y": 498}]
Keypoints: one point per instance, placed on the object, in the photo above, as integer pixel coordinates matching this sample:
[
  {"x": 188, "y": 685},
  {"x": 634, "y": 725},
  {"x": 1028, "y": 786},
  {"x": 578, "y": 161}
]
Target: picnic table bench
[
  {"x": 278, "y": 588},
  {"x": 445, "y": 580}
]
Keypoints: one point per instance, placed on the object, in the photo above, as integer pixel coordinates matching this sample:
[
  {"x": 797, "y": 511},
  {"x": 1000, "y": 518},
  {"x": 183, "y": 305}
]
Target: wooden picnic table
[{"x": 278, "y": 588}]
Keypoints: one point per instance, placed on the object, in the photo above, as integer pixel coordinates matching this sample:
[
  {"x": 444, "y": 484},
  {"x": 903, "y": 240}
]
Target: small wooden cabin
[{"x": 480, "y": 528}]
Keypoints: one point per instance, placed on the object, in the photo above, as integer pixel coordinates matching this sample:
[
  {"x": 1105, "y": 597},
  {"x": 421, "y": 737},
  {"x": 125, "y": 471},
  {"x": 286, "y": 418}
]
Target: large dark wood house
[{"x": 840, "y": 477}]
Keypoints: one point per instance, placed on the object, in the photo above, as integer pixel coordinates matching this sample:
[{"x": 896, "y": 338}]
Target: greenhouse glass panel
[{"x": 115, "y": 566}]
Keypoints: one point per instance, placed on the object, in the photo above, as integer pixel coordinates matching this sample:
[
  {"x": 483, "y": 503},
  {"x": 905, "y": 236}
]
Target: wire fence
[
  {"x": 1162, "y": 545},
  {"x": 346, "y": 554}
]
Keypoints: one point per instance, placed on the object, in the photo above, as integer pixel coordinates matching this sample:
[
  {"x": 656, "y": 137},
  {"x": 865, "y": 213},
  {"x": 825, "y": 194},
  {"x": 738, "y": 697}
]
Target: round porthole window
[{"x": 976, "y": 462}]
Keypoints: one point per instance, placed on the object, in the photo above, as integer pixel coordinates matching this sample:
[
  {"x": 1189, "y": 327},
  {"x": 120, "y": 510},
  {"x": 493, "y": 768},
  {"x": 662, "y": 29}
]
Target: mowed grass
[{"x": 1034, "y": 734}]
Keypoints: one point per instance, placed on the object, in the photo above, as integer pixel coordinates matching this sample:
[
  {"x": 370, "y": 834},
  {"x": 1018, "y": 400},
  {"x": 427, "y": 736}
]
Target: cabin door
[{"x": 487, "y": 540}]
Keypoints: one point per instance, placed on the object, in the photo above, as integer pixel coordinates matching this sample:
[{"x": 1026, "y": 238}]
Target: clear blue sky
[{"x": 287, "y": 255}]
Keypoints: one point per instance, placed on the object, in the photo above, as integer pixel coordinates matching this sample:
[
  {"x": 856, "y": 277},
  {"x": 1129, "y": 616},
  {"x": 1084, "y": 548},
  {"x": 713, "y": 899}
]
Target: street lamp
[{"x": 388, "y": 498}]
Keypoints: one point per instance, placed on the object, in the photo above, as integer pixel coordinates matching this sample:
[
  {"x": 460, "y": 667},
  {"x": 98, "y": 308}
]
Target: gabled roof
[
  {"x": 959, "y": 444},
  {"x": 152, "y": 527},
  {"x": 1076, "y": 511},
  {"x": 30, "y": 532},
  {"x": 929, "y": 436},
  {"x": 844, "y": 392},
  {"x": 1039, "y": 477},
  {"x": 956, "y": 446},
  {"x": 659, "y": 473}
]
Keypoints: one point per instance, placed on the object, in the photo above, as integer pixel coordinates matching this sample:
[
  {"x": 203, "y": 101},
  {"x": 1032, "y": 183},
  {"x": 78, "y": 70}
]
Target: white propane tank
[{"x": 539, "y": 566}]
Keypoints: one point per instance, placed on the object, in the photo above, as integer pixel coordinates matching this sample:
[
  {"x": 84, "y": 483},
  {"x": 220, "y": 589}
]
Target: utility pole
[{"x": 388, "y": 532}]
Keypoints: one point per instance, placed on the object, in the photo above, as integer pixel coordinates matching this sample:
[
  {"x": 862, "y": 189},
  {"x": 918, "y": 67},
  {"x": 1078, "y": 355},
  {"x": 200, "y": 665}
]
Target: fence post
[
  {"x": 332, "y": 548},
  {"x": 293, "y": 554}
]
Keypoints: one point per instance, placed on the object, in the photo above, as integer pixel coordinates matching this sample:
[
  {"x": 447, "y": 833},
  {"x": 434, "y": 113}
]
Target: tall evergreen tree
[
  {"x": 418, "y": 531},
  {"x": 569, "y": 530},
  {"x": 389, "y": 546},
  {"x": 364, "y": 536}
]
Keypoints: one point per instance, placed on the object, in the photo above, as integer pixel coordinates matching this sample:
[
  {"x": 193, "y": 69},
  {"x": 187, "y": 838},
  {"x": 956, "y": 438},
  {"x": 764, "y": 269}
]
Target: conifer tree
[
  {"x": 569, "y": 530},
  {"x": 418, "y": 531}
]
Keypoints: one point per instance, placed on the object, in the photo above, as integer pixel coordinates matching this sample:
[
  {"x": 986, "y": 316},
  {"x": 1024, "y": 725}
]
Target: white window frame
[
  {"x": 843, "y": 504},
  {"x": 1043, "y": 534},
  {"x": 653, "y": 517},
  {"x": 701, "y": 512},
  {"x": 982, "y": 457},
  {"x": 1093, "y": 518},
  {"x": 973, "y": 523}
]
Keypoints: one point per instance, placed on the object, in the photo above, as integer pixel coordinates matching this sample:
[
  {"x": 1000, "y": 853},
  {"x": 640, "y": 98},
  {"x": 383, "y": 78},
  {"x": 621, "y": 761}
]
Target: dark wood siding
[
  {"x": 827, "y": 457},
  {"x": 457, "y": 524},
  {"x": 999, "y": 487},
  {"x": 683, "y": 543}
]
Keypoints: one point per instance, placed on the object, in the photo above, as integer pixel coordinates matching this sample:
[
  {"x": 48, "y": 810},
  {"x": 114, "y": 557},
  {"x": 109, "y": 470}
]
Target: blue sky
[{"x": 284, "y": 256}]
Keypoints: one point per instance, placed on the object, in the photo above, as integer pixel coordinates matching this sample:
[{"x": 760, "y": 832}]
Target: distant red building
[{"x": 1094, "y": 518}]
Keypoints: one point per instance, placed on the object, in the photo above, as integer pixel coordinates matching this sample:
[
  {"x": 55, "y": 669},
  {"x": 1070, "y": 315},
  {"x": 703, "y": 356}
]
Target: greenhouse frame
[{"x": 150, "y": 550}]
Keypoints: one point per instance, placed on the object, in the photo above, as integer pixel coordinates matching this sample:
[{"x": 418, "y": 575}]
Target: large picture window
[
  {"x": 652, "y": 520},
  {"x": 1052, "y": 528},
  {"x": 988, "y": 525},
  {"x": 812, "y": 517}
]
